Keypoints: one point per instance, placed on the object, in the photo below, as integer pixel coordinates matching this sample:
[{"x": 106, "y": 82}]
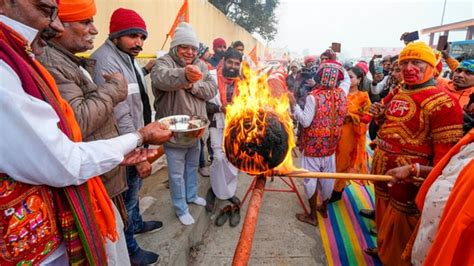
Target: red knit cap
[
  {"x": 217, "y": 43},
  {"x": 125, "y": 22},
  {"x": 309, "y": 58},
  {"x": 363, "y": 66}
]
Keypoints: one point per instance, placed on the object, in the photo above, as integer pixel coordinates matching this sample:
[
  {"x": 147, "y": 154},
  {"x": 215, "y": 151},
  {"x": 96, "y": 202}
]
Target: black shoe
[
  {"x": 373, "y": 231},
  {"x": 367, "y": 213},
  {"x": 223, "y": 215},
  {"x": 335, "y": 196},
  {"x": 234, "y": 200},
  {"x": 234, "y": 219},
  {"x": 210, "y": 200},
  {"x": 373, "y": 252},
  {"x": 150, "y": 226},
  {"x": 143, "y": 257}
]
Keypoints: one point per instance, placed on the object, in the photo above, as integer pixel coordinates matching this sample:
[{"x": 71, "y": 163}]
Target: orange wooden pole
[
  {"x": 344, "y": 176},
  {"x": 244, "y": 246}
]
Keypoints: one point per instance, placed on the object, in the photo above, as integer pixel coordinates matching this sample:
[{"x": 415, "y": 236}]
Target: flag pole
[{"x": 166, "y": 39}]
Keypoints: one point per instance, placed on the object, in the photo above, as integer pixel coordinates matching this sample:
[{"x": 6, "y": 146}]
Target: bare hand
[
  {"x": 376, "y": 110},
  {"x": 116, "y": 76},
  {"x": 310, "y": 82},
  {"x": 193, "y": 74},
  {"x": 149, "y": 66},
  {"x": 137, "y": 156},
  {"x": 291, "y": 99},
  {"x": 144, "y": 169},
  {"x": 119, "y": 79},
  {"x": 223, "y": 107},
  {"x": 400, "y": 174},
  {"x": 378, "y": 77},
  {"x": 445, "y": 53},
  {"x": 155, "y": 133}
]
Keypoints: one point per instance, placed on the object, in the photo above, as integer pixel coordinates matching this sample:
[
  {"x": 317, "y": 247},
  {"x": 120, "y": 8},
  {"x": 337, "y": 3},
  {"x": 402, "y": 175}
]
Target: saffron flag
[
  {"x": 253, "y": 55},
  {"x": 183, "y": 16}
]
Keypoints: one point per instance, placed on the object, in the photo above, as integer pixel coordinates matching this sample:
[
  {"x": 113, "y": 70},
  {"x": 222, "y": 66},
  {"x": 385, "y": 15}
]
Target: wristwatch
[{"x": 139, "y": 139}]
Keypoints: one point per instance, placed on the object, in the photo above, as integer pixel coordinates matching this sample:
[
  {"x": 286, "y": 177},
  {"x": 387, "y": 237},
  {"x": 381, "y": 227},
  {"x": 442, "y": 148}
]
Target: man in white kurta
[
  {"x": 223, "y": 174},
  {"x": 34, "y": 149}
]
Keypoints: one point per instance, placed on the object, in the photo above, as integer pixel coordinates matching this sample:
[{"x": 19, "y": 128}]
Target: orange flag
[
  {"x": 253, "y": 55},
  {"x": 183, "y": 16}
]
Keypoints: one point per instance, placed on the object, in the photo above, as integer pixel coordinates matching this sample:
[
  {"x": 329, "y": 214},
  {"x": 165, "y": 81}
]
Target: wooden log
[{"x": 344, "y": 176}]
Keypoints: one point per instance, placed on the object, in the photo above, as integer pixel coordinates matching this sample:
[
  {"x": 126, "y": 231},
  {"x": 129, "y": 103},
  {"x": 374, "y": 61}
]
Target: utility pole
[{"x": 444, "y": 9}]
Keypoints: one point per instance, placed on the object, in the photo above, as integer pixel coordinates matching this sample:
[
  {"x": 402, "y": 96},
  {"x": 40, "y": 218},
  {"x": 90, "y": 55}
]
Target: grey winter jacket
[
  {"x": 110, "y": 59},
  {"x": 168, "y": 83},
  {"x": 93, "y": 105}
]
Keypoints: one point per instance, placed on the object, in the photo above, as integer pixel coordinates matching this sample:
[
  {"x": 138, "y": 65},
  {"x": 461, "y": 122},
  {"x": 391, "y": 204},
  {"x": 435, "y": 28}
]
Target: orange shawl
[
  {"x": 103, "y": 211},
  {"x": 453, "y": 243}
]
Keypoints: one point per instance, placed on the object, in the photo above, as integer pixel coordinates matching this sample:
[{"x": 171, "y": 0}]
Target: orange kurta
[
  {"x": 420, "y": 127},
  {"x": 351, "y": 156},
  {"x": 453, "y": 243},
  {"x": 461, "y": 95}
]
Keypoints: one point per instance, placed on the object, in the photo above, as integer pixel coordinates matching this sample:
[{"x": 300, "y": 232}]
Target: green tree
[{"x": 254, "y": 16}]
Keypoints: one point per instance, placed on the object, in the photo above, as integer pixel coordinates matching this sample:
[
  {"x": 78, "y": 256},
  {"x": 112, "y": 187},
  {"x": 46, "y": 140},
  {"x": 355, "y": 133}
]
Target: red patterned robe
[{"x": 420, "y": 126}]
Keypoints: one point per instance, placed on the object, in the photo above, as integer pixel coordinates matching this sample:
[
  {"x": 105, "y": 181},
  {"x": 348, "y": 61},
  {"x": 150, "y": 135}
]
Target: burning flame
[{"x": 253, "y": 103}]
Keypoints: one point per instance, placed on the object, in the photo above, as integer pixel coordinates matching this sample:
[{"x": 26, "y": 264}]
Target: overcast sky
[{"x": 311, "y": 26}]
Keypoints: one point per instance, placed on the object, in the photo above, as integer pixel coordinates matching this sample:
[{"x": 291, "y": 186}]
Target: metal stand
[{"x": 292, "y": 189}]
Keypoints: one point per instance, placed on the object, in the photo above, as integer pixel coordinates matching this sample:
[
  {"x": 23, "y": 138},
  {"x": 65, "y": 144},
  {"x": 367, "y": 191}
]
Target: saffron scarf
[
  {"x": 223, "y": 83},
  {"x": 88, "y": 203}
]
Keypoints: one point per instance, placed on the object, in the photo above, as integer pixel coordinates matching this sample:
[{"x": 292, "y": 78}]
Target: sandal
[
  {"x": 234, "y": 200},
  {"x": 223, "y": 215},
  {"x": 367, "y": 213},
  {"x": 234, "y": 219},
  {"x": 306, "y": 218}
]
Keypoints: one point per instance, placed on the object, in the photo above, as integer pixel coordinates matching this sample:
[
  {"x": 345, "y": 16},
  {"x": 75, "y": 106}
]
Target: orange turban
[{"x": 76, "y": 10}]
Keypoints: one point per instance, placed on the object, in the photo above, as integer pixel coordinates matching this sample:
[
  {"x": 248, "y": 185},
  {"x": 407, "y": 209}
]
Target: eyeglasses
[
  {"x": 188, "y": 47},
  {"x": 49, "y": 11}
]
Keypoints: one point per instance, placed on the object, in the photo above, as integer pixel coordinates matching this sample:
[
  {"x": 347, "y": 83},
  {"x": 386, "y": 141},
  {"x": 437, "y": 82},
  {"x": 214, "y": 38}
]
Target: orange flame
[{"x": 248, "y": 113}]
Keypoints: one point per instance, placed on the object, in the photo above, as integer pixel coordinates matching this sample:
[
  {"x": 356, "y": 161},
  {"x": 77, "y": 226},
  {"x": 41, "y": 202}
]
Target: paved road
[{"x": 280, "y": 238}]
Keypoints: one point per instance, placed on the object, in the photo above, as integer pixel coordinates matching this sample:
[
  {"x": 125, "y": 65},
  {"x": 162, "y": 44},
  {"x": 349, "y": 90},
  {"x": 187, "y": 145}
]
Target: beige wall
[{"x": 208, "y": 22}]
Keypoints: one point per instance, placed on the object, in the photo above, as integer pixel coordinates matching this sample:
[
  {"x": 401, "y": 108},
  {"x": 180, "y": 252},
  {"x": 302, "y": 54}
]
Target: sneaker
[
  {"x": 186, "y": 219},
  {"x": 199, "y": 201},
  {"x": 150, "y": 226},
  {"x": 143, "y": 257},
  {"x": 204, "y": 171}
]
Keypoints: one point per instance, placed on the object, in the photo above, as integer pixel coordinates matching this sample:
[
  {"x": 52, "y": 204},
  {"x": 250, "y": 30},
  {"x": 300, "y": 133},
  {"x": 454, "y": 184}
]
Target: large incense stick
[{"x": 346, "y": 176}]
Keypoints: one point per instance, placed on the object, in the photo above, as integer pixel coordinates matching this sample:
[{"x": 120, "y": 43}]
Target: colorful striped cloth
[{"x": 345, "y": 234}]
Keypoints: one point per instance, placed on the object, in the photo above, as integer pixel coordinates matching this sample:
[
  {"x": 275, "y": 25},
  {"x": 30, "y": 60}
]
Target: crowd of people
[
  {"x": 416, "y": 121},
  {"x": 78, "y": 130}
]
